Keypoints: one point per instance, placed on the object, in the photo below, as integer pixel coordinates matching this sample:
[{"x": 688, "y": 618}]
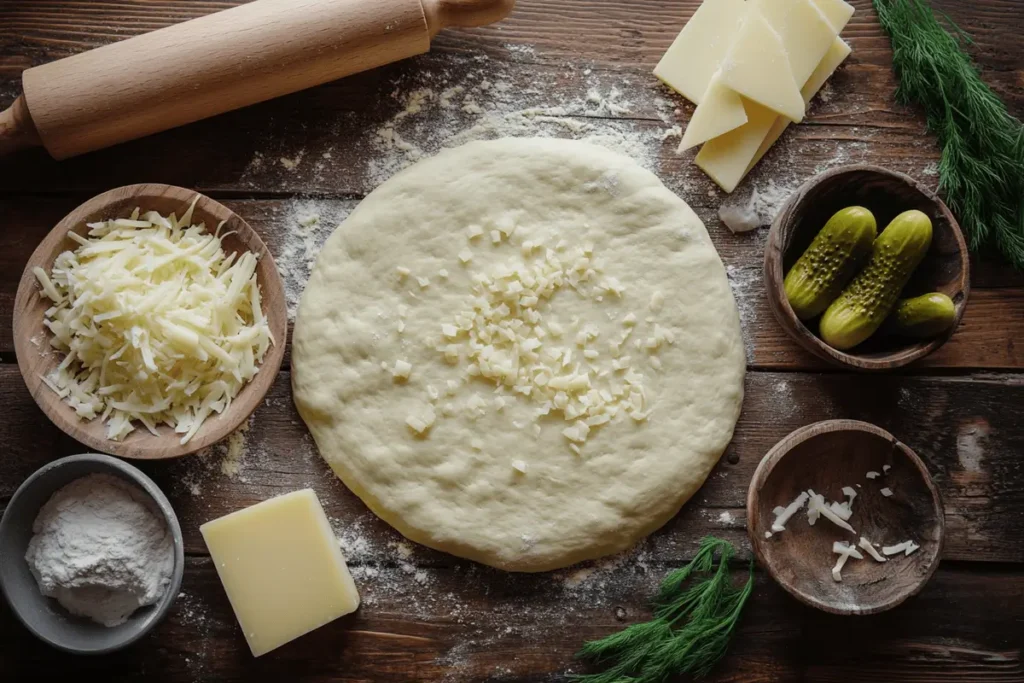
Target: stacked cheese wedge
[{"x": 751, "y": 67}]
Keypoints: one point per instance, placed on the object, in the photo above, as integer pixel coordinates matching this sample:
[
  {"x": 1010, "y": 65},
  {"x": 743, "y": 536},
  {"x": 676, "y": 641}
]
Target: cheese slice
[
  {"x": 720, "y": 111},
  {"x": 805, "y": 31},
  {"x": 282, "y": 569},
  {"x": 837, "y": 12},
  {"x": 728, "y": 158},
  {"x": 697, "y": 52},
  {"x": 833, "y": 58},
  {"x": 757, "y": 67}
]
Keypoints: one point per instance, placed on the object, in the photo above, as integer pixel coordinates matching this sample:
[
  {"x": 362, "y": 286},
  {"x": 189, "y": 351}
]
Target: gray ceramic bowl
[{"x": 44, "y": 616}]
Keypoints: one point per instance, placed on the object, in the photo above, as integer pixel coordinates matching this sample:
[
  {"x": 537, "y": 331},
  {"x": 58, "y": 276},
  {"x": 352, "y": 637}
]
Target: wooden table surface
[{"x": 572, "y": 68}]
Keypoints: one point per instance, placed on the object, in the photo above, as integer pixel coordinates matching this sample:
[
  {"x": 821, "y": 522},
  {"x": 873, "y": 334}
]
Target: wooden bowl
[
  {"x": 946, "y": 267},
  {"x": 826, "y": 456},
  {"x": 36, "y": 359}
]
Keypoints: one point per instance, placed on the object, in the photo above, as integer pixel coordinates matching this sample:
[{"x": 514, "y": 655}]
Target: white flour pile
[{"x": 102, "y": 549}]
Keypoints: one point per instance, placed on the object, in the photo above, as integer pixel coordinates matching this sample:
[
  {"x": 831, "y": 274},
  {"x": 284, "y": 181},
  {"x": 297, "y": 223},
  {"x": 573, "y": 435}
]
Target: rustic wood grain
[
  {"x": 428, "y": 616},
  {"x": 476, "y": 625}
]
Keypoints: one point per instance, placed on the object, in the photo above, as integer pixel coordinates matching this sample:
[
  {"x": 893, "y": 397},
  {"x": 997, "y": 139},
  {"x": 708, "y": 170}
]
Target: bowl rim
[
  {"x": 774, "y": 273},
  {"x": 140, "y": 479},
  {"x": 798, "y": 436},
  {"x": 141, "y": 445}
]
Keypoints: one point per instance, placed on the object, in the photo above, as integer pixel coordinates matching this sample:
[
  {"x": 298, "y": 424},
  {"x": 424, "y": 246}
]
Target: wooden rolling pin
[{"x": 220, "y": 62}]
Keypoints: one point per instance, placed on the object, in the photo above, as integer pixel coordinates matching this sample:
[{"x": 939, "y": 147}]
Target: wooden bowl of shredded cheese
[
  {"x": 845, "y": 517},
  {"x": 150, "y": 322}
]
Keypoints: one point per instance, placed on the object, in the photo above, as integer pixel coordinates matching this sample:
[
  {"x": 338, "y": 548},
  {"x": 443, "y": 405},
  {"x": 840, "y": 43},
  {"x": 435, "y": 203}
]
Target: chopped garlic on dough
[
  {"x": 158, "y": 323},
  {"x": 580, "y": 499}
]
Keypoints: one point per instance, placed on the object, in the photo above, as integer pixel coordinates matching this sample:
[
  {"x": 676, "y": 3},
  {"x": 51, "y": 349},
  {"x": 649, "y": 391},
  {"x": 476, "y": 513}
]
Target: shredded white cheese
[
  {"x": 866, "y": 545},
  {"x": 816, "y": 506},
  {"x": 782, "y": 515},
  {"x": 158, "y": 324},
  {"x": 886, "y": 491},
  {"x": 906, "y": 547},
  {"x": 402, "y": 370},
  {"x": 505, "y": 338},
  {"x": 872, "y": 475},
  {"x": 845, "y": 551},
  {"x": 841, "y": 510}
]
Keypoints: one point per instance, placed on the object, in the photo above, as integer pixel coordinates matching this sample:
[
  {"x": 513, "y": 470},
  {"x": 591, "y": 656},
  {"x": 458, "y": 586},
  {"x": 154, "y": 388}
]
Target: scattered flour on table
[
  {"x": 292, "y": 163},
  {"x": 755, "y": 206},
  {"x": 399, "y": 577},
  {"x": 449, "y": 108},
  {"x": 224, "y": 460},
  {"x": 306, "y": 226},
  {"x": 746, "y": 290}
]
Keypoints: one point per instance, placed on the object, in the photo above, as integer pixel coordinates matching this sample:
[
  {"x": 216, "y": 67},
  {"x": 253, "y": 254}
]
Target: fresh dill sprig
[
  {"x": 981, "y": 171},
  {"x": 691, "y": 628}
]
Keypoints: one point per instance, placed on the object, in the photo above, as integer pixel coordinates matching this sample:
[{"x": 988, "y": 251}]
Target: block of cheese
[
  {"x": 696, "y": 53},
  {"x": 757, "y": 67},
  {"x": 720, "y": 111},
  {"x": 282, "y": 569},
  {"x": 728, "y": 158},
  {"x": 805, "y": 31}
]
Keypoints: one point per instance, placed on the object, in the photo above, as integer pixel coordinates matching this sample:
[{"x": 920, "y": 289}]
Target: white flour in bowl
[{"x": 101, "y": 550}]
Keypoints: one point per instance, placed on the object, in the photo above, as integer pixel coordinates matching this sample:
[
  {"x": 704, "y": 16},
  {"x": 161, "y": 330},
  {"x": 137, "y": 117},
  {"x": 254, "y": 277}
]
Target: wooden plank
[
  {"x": 569, "y": 48},
  {"x": 278, "y": 146},
  {"x": 605, "y": 31},
  {"x": 988, "y": 337},
  {"x": 442, "y": 624},
  {"x": 966, "y": 429}
]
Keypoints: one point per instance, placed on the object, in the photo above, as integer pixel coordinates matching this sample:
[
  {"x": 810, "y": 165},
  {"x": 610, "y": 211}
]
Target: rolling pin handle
[
  {"x": 16, "y": 128},
  {"x": 463, "y": 13}
]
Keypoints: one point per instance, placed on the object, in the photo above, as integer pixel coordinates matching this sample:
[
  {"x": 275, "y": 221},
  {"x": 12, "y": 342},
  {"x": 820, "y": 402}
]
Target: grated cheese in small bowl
[{"x": 157, "y": 323}]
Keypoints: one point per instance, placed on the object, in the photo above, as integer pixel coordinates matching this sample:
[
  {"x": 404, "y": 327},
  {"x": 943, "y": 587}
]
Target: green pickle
[
  {"x": 869, "y": 299},
  {"x": 832, "y": 259},
  {"x": 922, "y": 317}
]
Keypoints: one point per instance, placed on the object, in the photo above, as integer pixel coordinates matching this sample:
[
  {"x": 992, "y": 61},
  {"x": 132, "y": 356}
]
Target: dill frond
[
  {"x": 691, "y": 629},
  {"x": 981, "y": 170}
]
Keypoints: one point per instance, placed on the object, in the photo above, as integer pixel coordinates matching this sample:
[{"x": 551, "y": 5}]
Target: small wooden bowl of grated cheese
[
  {"x": 845, "y": 517},
  {"x": 150, "y": 322}
]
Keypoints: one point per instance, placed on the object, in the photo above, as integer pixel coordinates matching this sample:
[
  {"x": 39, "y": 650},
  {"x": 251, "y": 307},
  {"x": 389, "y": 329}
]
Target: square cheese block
[
  {"x": 696, "y": 53},
  {"x": 282, "y": 569},
  {"x": 728, "y": 158}
]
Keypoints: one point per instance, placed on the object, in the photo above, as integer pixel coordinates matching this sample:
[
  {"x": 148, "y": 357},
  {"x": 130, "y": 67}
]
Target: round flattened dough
[{"x": 456, "y": 490}]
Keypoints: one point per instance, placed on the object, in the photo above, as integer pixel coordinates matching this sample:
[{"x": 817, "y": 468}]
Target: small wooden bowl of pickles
[{"x": 866, "y": 268}]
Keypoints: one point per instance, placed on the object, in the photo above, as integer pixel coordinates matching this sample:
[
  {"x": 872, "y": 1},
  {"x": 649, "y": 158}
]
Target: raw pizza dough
[{"x": 458, "y": 487}]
